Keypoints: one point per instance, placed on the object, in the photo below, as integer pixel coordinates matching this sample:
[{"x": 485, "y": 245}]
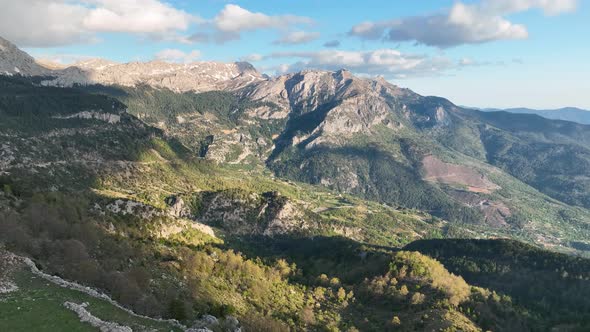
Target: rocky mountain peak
[
  {"x": 13, "y": 61},
  {"x": 307, "y": 90},
  {"x": 95, "y": 64},
  {"x": 244, "y": 66},
  {"x": 196, "y": 76},
  {"x": 178, "y": 77}
]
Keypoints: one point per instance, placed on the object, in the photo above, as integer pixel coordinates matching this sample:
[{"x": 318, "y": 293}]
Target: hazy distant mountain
[{"x": 567, "y": 113}]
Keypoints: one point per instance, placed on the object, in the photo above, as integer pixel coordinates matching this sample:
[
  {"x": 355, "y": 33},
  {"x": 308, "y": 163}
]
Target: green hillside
[{"x": 95, "y": 195}]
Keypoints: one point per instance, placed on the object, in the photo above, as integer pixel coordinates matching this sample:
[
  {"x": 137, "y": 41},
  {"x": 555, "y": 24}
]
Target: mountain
[
  {"x": 567, "y": 113},
  {"x": 312, "y": 201},
  {"x": 509, "y": 174},
  {"x": 505, "y": 174},
  {"x": 14, "y": 61},
  {"x": 370, "y": 138},
  {"x": 94, "y": 195},
  {"x": 199, "y": 76}
]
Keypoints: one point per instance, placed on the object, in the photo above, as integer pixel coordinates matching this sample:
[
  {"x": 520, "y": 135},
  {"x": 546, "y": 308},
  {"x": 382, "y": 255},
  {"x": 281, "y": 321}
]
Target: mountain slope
[
  {"x": 121, "y": 230},
  {"x": 94, "y": 194},
  {"x": 14, "y": 61},
  {"x": 370, "y": 138},
  {"x": 551, "y": 155},
  {"x": 374, "y": 139},
  {"x": 532, "y": 277}
]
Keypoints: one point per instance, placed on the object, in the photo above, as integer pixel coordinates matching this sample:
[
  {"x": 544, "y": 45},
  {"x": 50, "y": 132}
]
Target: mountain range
[
  {"x": 308, "y": 201},
  {"x": 572, "y": 114}
]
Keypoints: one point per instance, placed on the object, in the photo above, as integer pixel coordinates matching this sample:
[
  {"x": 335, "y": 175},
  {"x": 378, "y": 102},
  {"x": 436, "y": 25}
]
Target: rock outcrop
[
  {"x": 243, "y": 213},
  {"x": 86, "y": 317},
  {"x": 13, "y": 61}
]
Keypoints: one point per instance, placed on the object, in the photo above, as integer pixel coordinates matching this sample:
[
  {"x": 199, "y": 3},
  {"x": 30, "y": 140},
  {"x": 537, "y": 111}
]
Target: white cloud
[
  {"x": 369, "y": 30},
  {"x": 137, "y": 16},
  {"x": 234, "y": 19},
  {"x": 174, "y": 55},
  {"x": 469, "y": 62},
  {"x": 42, "y": 23},
  {"x": 462, "y": 23},
  {"x": 45, "y": 23},
  {"x": 297, "y": 37},
  {"x": 466, "y": 62},
  {"x": 549, "y": 7},
  {"x": 48, "y": 23},
  {"x": 253, "y": 58},
  {"x": 387, "y": 62}
]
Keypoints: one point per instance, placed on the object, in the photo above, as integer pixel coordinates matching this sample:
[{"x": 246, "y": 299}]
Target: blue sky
[{"x": 484, "y": 53}]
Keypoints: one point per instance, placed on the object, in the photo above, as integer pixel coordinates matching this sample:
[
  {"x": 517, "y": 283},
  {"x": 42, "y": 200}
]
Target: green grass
[{"x": 38, "y": 306}]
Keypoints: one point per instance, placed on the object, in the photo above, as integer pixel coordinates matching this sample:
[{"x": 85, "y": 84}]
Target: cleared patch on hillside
[
  {"x": 437, "y": 170},
  {"x": 495, "y": 213}
]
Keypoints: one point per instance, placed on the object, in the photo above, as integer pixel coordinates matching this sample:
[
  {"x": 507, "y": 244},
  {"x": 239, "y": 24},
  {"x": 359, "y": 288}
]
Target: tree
[
  {"x": 404, "y": 290},
  {"x": 341, "y": 295},
  {"x": 177, "y": 309},
  {"x": 307, "y": 316},
  {"x": 417, "y": 298}
]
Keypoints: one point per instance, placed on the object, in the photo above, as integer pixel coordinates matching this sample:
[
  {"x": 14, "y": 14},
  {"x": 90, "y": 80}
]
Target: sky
[{"x": 480, "y": 53}]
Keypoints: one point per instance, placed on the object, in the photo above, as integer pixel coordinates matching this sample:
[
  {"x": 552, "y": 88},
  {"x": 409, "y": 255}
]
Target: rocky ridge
[
  {"x": 13, "y": 61},
  {"x": 355, "y": 135},
  {"x": 196, "y": 76}
]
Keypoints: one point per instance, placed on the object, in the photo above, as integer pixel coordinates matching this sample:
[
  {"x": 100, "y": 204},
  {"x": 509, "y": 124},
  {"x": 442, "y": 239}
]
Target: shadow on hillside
[
  {"x": 340, "y": 257},
  {"x": 554, "y": 284}
]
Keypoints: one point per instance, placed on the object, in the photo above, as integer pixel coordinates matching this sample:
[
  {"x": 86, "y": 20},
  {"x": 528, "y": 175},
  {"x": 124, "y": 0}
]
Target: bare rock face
[
  {"x": 176, "y": 206},
  {"x": 13, "y": 61},
  {"x": 211, "y": 323},
  {"x": 268, "y": 214},
  {"x": 96, "y": 115},
  {"x": 333, "y": 105}
]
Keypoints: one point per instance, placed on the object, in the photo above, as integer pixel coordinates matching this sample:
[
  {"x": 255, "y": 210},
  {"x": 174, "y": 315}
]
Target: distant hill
[{"x": 567, "y": 113}]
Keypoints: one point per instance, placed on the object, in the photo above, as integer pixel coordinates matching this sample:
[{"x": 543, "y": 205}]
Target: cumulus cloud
[
  {"x": 179, "y": 56},
  {"x": 297, "y": 37},
  {"x": 139, "y": 16},
  {"x": 49, "y": 23},
  {"x": 549, "y": 7},
  {"x": 462, "y": 24},
  {"x": 41, "y": 23},
  {"x": 332, "y": 43},
  {"x": 386, "y": 62},
  {"x": 235, "y": 19}
]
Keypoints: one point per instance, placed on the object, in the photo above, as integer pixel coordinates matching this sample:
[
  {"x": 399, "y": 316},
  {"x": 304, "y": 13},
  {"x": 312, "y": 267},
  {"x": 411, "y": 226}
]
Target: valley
[{"x": 210, "y": 197}]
